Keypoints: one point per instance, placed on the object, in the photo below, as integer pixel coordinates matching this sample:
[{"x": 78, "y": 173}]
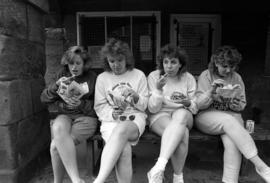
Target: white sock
[
  {"x": 178, "y": 178},
  {"x": 259, "y": 164},
  {"x": 160, "y": 165},
  {"x": 265, "y": 170}
]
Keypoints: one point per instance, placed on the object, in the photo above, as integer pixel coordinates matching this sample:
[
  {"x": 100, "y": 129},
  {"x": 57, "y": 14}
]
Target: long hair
[
  {"x": 172, "y": 52},
  {"x": 224, "y": 55},
  {"x": 115, "y": 48},
  {"x": 68, "y": 57}
]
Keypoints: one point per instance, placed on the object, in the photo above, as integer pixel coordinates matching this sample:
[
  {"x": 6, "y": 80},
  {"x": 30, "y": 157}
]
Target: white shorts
[
  {"x": 153, "y": 117},
  {"x": 107, "y": 127}
]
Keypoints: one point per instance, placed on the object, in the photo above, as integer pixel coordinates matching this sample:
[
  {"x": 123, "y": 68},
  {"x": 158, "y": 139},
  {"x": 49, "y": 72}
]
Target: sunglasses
[{"x": 124, "y": 117}]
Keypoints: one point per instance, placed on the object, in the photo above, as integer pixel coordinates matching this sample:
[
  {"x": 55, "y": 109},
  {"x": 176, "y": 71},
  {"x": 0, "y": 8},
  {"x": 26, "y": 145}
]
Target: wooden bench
[{"x": 262, "y": 133}]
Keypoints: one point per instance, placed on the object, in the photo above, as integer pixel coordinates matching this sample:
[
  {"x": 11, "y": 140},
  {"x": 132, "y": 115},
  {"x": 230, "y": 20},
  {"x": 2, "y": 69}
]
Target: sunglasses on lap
[{"x": 126, "y": 117}]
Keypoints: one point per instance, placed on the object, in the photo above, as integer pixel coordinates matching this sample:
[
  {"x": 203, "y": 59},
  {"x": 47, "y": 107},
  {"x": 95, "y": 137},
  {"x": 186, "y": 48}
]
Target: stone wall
[
  {"x": 24, "y": 122},
  {"x": 55, "y": 46}
]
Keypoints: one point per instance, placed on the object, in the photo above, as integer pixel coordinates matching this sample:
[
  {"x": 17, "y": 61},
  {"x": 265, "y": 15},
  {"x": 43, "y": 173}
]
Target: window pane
[{"x": 119, "y": 27}]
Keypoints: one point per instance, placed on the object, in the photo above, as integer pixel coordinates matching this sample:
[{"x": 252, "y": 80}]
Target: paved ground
[{"x": 204, "y": 165}]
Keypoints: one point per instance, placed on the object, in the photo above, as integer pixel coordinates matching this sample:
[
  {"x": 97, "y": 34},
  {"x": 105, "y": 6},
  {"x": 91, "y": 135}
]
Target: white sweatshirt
[
  {"x": 162, "y": 100},
  {"x": 108, "y": 83}
]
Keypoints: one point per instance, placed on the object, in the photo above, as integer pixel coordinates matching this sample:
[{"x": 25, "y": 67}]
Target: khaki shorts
[{"x": 81, "y": 128}]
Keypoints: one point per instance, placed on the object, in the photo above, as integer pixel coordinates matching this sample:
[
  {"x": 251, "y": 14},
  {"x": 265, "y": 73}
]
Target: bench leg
[
  {"x": 90, "y": 157},
  {"x": 93, "y": 161}
]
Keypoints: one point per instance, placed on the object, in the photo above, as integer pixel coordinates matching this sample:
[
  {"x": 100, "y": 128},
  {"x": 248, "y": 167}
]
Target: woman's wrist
[{"x": 210, "y": 93}]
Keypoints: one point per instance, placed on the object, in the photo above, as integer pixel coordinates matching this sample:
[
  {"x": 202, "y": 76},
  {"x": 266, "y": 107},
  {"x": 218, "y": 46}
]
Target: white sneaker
[
  {"x": 155, "y": 178},
  {"x": 265, "y": 175},
  {"x": 178, "y": 179}
]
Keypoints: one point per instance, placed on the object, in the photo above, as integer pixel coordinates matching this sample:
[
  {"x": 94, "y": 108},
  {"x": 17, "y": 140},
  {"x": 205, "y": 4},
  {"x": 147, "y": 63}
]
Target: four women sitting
[{"x": 171, "y": 95}]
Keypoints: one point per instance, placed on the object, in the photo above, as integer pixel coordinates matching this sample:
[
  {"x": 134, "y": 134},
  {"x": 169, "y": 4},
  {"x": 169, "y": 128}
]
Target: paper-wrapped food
[
  {"x": 73, "y": 89},
  {"x": 229, "y": 91}
]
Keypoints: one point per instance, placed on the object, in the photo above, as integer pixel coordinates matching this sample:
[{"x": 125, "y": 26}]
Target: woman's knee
[
  {"x": 229, "y": 122},
  {"x": 123, "y": 131},
  {"x": 183, "y": 117},
  {"x": 228, "y": 144},
  {"x": 53, "y": 148},
  {"x": 61, "y": 126}
]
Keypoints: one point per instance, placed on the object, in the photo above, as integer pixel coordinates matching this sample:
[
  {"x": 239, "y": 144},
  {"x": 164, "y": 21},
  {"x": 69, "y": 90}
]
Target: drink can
[{"x": 250, "y": 126}]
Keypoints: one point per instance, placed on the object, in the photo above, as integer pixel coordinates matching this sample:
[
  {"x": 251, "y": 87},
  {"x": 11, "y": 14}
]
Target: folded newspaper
[{"x": 72, "y": 89}]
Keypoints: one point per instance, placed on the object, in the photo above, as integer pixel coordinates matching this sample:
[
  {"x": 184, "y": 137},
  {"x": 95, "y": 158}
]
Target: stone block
[
  {"x": 13, "y": 19},
  {"x": 53, "y": 65},
  {"x": 25, "y": 98},
  {"x": 33, "y": 136},
  {"x": 16, "y": 101},
  {"x": 8, "y": 176},
  {"x": 9, "y": 102},
  {"x": 21, "y": 58},
  {"x": 55, "y": 34},
  {"x": 36, "y": 29},
  {"x": 20, "y": 146},
  {"x": 37, "y": 86},
  {"x": 8, "y": 152},
  {"x": 54, "y": 47},
  {"x": 23, "y": 141}
]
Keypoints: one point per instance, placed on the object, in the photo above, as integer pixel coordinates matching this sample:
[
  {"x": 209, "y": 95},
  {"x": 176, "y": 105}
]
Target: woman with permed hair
[
  {"x": 171, "y": 105},
  {"x": 121, "y": 97},
  {"x": 220, "y": 100},
  {"x": 75, "y": 117}
]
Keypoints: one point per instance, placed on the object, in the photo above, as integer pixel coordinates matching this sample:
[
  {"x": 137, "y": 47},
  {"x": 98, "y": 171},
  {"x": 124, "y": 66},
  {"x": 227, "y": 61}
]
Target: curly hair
[
  {"x": 68, "y": 57},
  {"x": 224, "y": 55},
  {"x": 172, "y": 52},
  {"x": 116, "y": 48}
]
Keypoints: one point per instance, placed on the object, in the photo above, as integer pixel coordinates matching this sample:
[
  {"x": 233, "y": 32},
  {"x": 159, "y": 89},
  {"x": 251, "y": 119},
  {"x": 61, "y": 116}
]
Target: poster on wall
[{"x": 94, "y": 53}]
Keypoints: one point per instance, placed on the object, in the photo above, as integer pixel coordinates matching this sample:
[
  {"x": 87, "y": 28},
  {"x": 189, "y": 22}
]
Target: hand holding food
[
  {"x": 130, "y": 95},
  {"x": 218, "y": 83},
  {"x": 162, "y": 81}
]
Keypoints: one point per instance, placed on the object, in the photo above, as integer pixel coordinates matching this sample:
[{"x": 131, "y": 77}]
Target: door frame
[{"x": 214, "y": 20}]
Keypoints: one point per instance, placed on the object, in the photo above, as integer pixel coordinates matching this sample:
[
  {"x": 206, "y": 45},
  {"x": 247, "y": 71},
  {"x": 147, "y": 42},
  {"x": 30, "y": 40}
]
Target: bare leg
[
  {"x": 174, "y": 132},
  {"x": 122, "y": 133},
  {"x": 66, "y": 147},
  {"x": 124, "y": 165},
  {"x": 57, "y": 165},
  {"x": 179, "y": 156}
]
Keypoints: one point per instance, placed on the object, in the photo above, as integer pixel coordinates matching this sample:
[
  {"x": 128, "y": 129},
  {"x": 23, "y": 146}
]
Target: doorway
[{"x": 199, "y": 35}]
